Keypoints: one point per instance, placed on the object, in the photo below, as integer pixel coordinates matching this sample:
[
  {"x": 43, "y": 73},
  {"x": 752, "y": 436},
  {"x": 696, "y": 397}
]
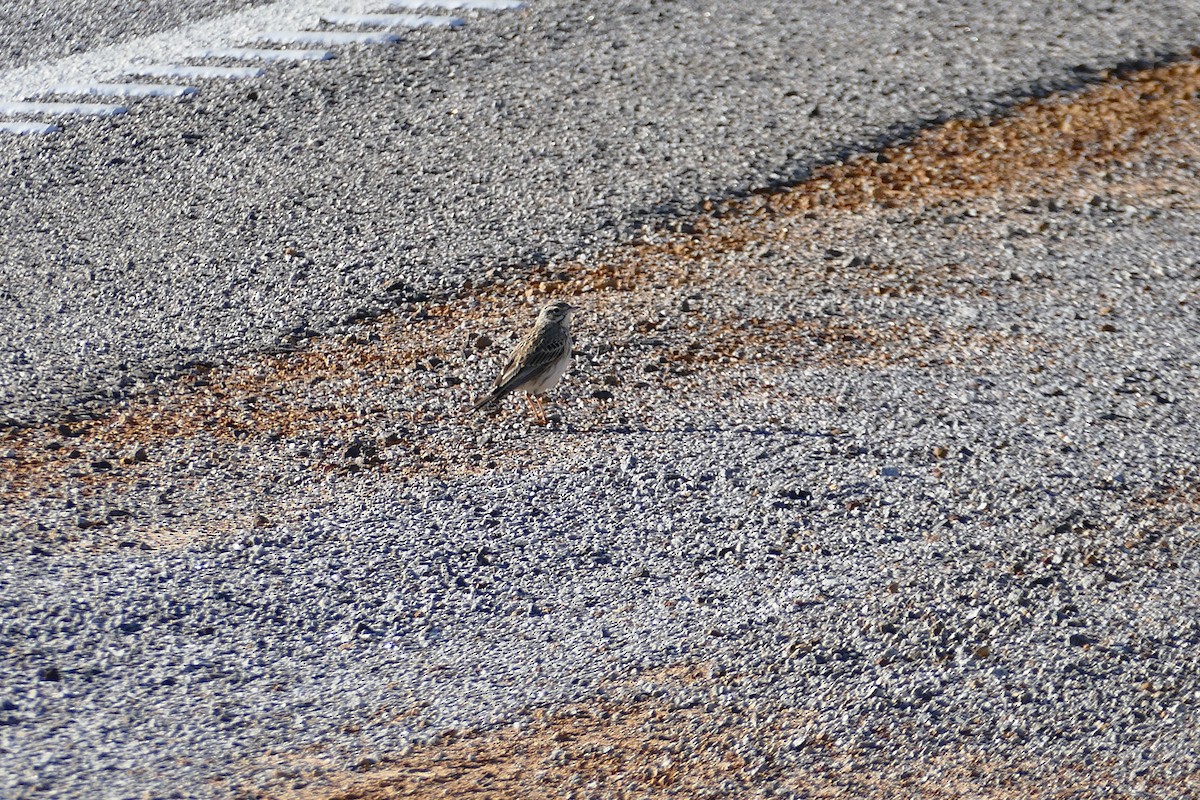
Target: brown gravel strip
[
  {"x": 663, "y": 320},
  {"x": 373, "y": 396}
]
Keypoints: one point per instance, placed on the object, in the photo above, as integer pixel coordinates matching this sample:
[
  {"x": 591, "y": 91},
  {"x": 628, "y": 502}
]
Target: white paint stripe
[
  {"x": 394, "y": 20},
  {"x": 470, "y": 5},
  {"x": 327, "y": 38},
  {"x": 124, "y": 89},
  {"x": 88, "y": 109},
  {"x": 251, "y": 53},
  {"x": 191, "y": 71},
  {"x": 28, "y": 127},
  {"x": 166, "y": 47}
]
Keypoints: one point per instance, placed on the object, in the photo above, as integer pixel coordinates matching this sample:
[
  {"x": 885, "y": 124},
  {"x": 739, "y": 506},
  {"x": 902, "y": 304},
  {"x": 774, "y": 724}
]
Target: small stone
[
  {"x": 101, "y": 465},
  {"x": 1081, "y": 640},
  {"x": 482, "y": 342},
  {"x": 940, "y": 452},
  {"x": 49, "y": 674},
  {"x": 982, "y": 652},
  {"x": 602, "y": 394}
]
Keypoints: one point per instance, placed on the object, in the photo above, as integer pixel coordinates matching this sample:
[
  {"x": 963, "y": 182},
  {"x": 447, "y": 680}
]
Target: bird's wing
[{"x": 514, "y": 374}]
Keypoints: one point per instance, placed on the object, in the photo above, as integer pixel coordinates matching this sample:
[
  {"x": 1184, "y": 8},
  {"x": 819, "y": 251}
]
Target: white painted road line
[
  {"x": 260, "y": 54},
  {"x": 173, "y": 46},
  {"x": 124, "y": 89},
  {"x": 191, "y": 71},
  {"x": 28, "y": 127},
  {"x": 327, "y": 38},
  {"x": 87, "y": 109},
  {"x": 394, "y": 20},
  {"x": 455, "y": 5}
]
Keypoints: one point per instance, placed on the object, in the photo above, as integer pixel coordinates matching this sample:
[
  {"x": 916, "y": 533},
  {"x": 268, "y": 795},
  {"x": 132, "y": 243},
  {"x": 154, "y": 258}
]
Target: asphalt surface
[
  {"x": 903, "y": 468},
  {"x": 913, "y": 490},
  {"x": 257, "y": 212}
]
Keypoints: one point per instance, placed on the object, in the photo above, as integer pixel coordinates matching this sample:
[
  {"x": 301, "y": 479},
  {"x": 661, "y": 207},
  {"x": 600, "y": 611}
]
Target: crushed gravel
[
  {"x": 875, "y": 500},
  {"x": 254, "y": 214}
]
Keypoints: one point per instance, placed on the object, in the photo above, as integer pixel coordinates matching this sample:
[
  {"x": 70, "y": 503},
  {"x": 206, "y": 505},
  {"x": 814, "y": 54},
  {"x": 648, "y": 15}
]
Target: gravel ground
[
  {"x": 881, "y": 486},
  {"x": 208, "y": 228},
  {"x": 41, "y": 30}
]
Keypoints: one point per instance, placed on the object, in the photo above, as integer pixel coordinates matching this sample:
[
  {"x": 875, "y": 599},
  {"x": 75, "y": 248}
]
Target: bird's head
[{"x": 557, "y": 312}]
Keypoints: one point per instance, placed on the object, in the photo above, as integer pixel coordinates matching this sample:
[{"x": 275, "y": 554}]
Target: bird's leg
[{"x": 539, "y": 411}]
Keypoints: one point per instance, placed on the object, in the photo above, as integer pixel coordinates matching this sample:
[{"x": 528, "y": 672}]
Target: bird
[{"x": 539, "y": 360}]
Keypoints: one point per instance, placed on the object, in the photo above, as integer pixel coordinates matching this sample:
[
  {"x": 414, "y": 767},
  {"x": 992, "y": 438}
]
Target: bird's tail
[
  {"x": 496, "y": 393},
  {"x": 488, "y": 399}
]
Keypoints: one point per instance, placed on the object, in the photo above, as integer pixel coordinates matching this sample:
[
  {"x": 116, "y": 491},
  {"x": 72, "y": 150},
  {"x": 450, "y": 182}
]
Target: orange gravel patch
[
  {"x": 648, "y": 747},
  {"x": 1041, "y": 146},
  {"x": 396, "y": 382}
]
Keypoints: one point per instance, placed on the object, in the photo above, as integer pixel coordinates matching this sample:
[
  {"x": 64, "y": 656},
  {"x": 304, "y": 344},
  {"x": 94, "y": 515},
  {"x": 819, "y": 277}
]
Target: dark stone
[{"x": 49, "y": 674}]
